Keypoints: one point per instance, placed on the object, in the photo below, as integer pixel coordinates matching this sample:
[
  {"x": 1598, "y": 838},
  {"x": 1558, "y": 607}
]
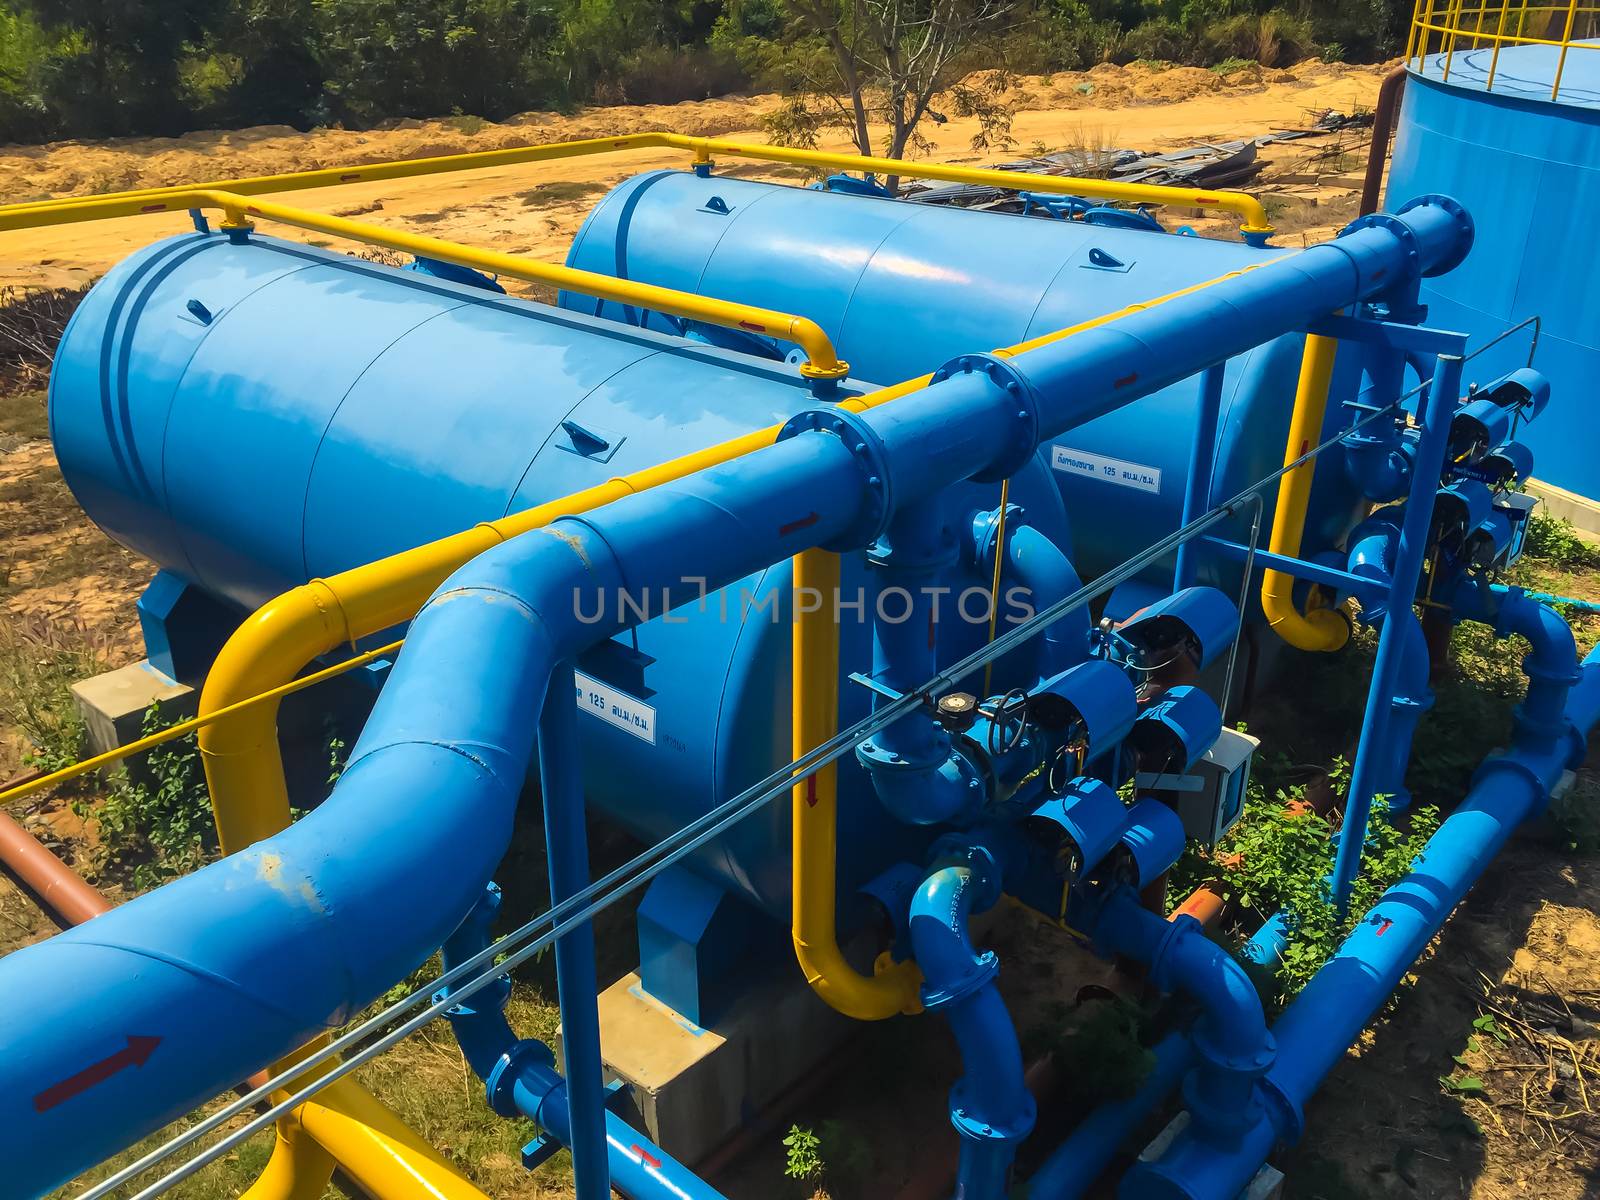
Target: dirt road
[{"x": 535, "y": 209}]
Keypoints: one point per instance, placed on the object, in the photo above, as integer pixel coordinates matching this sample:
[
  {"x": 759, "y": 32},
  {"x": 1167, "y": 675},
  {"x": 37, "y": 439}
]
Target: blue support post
[
  {"x": 1443, "y": 394},
  {"x": 1197, "y": 495},
  {"x": 561, "y": 782}
]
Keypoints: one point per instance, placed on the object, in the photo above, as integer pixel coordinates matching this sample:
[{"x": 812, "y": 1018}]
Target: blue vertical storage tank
[
  {"x": 252, "y": 414},
  {"x": 1528, "y": 165},
  {"x": 903, "y": 287}
]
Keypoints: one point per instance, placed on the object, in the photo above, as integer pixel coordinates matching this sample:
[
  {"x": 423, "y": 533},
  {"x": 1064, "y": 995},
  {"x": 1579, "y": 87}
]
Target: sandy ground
[{"x": 515, "y": 209}]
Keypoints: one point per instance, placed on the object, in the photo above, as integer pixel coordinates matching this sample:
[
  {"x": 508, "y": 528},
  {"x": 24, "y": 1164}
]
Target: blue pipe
[
  {"x": 1073, "y": 1166},
  {"x": 916, "y": 769},
  {"x": 242, "y": 962},
  {"x": 577, "y": 989},
  {"x": 1034, "y": 563},
  {"x": 527, "y": 1082},
  {"x": 990, "y": 1105},
  {"x": 1202, "y": 455},
  {"x": 1378, "y": 457},
  {"x": 1230, "y": 1040},
  {"x": 1329, "y": 1014},
  {"x": 1551, "y": 664},
  {"x": 521, "y": 1078},
  {"x": 1371, "y": 753}
]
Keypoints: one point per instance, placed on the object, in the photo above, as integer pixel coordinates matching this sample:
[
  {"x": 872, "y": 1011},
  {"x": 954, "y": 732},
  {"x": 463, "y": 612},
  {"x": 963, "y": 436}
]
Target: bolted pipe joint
[
  {"x": 990, "y": 1105},
  {"x": 1232, "y": 1044}
]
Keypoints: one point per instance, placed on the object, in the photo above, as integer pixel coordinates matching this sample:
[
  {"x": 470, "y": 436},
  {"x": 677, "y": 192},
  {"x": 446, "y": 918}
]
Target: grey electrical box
[{"x": 1210, "y": 798}]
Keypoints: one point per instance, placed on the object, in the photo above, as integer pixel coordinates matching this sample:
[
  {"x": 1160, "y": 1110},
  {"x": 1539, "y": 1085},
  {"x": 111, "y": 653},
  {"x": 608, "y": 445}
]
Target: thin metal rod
[{"x": 1245, "y": 592}]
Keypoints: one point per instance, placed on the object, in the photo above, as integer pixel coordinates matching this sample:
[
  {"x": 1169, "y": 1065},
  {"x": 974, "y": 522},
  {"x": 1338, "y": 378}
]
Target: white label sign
[
  {"x": 616, "y": 708},
  {"x": 1106, "y": 470}
]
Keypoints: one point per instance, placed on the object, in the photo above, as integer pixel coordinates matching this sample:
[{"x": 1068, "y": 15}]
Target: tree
[
  {"x": 849, "y": 63},
  {"x": 118, "y": 73}
]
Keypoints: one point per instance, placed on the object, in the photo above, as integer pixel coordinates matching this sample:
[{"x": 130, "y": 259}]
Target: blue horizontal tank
[
  {"x": 1528, "y": 165},
  {"x": 253, "y": 414},
  {"x": 904, "y": 287}
]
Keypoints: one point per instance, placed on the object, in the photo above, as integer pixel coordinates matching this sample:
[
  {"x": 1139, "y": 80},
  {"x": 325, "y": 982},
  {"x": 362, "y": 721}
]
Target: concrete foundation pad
[
  {"x": 114, "y": 704},
  {"x": 1583, "y": 512},
  {"x": 693, "y": 1088}
]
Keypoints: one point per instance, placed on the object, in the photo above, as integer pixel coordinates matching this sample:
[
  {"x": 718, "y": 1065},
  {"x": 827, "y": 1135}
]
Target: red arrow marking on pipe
[
  {"x": 1127, "y": 381},
  {"x": 649, "y": 1160},
  {"x": 1383, "y": 926},
  {"x": 796, "y": 526},
  {"x": 135, "y": 1054},
  {"x": 811, "y": 791}
]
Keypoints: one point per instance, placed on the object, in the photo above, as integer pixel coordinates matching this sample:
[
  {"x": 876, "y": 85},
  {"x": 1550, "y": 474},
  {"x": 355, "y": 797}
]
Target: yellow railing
[
  {"x": 1253, "y": 217},
  {"x": 238, "y": 211},
  {"x": 1445, "y": 28}
]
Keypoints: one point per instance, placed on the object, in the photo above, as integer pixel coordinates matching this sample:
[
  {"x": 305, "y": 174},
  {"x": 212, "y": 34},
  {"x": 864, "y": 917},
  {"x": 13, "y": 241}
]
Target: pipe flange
[
  {"x": 867, "y": 449},
  {"x": 1469, "y": 227},
  {"x": 984, "y": 968},
  {"x": 1404, "y": 234},
  {"x": 1024, "y": 421},
  {"x": 1287, "y": 1118},
  {"x": 1255, "y": 1063},
  {"x": 975, "y": 1126},
  {"x": 500, "y": 1087}
]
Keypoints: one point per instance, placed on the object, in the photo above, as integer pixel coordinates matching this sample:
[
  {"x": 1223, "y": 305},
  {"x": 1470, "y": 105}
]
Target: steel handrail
[
  {"x": 1254, "y": 223},
  {"x": 822, "y": 361},
  {"x": 1454, "y": 21}
]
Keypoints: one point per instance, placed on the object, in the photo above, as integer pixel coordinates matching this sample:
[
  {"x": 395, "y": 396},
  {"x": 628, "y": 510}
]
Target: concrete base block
[
  {"x": 693, "y": 1088},
  {"x": 114, "y": 704},
  {"x": 1583, "y": 512}
]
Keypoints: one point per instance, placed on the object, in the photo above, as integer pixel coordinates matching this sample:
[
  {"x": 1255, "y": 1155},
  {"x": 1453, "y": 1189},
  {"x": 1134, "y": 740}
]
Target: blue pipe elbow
[
  {"x": 990, "y": 1105},
  {"x": 1230, "y": 1040}
]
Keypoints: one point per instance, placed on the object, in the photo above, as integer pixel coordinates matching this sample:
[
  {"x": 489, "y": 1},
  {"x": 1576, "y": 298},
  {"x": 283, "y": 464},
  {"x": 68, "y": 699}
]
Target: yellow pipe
[
  {"x": 822, "y": 362},
  {"x": 1319, "y": 628},
  {"x": 298, "y": 1169},
  {"x": 1253, "y": 216},
  {"x": 892, "y": 988},
  {"x": 377, "y": 1150}
]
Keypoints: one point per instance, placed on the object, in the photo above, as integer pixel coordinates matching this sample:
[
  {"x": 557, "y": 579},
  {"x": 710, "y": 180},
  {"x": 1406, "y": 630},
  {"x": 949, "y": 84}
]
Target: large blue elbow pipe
[
  {"x": 238, "y": 964},
  {"x": 990, "y": 1105},
  {"x": 1230, "y": 1040},
  {"x": 1329, "y": 1014}
]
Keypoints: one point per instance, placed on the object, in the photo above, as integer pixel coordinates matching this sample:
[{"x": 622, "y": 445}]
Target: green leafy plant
[
  {"x": 1556, "y": 540},
  {"x": 802, "y": 1152},
  {"x": 155, "y": 823}
]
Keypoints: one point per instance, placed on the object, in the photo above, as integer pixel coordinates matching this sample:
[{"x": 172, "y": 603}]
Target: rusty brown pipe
[
  {"x": 1383, "y": 121},
  {"x": 59, "y": 890}
]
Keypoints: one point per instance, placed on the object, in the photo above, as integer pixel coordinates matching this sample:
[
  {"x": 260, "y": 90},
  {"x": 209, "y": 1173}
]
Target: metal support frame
[{"x": 1443, "y": 394}]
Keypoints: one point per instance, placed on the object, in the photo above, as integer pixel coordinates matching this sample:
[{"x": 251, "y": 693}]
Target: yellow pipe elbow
[
  {"x": 893, "y": 988},
  {"x": 379, "y": 1152},
  {"x": 1319, "y": 629},
  {"x": 298, "y": 1169}
]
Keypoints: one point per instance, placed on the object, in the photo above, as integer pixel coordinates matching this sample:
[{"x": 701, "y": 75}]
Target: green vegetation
[
  {"x": 155, "y": 823},
  {"x": 83, "y": 68},
  {"x": 802, "y": 1154},
  {"x": 1279, "y": 856}
]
